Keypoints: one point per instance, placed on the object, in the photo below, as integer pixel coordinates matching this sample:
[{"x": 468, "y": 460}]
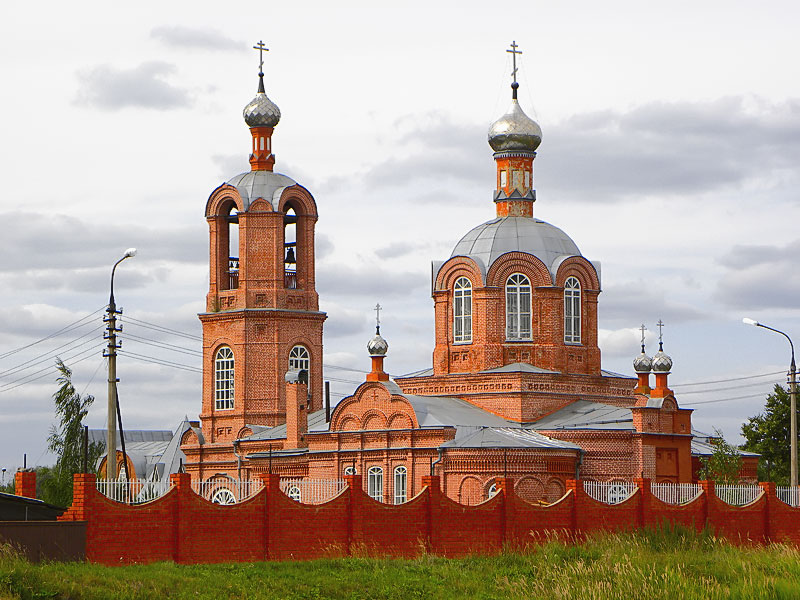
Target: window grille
[
  {"x": 572, "y": 311},
  {"x": 375, "y": 483},
  {"x": 223, "y": 378},
  {"x": 518, "y": 307},
  {"x": 462, "y": 311}
]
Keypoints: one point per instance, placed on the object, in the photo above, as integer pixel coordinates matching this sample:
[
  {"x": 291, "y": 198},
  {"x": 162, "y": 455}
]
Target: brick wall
[{"x": 185, "y": 528}]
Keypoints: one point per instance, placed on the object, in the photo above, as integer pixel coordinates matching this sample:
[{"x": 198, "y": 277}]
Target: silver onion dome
[
  {"x": 261, "y": 111},
  {"x": 377, "y": 346},
  {"x": 662, "y": 363},
  {"x": 515, "y": 131},
  {"x": 643, "y": 363}
]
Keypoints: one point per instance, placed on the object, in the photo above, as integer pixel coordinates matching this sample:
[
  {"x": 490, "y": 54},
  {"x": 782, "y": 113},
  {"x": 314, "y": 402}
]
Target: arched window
[
  {"x": 400, "y": 485},
  {"x": 232, "y": 220},
  {"x": 518, "y": 307},
  {"x": 572, "y": 311},
  {"x": 290, "y": 249},
  {"x": 462, "y": 311},
  {"x": 223, "y": 378},
  {"x": 351, "y": 470},
  {"x": 492, "y": 491},
  {"x": 299, "y": 360},
  {"x": 294, "y": 493},
  {"x": 375, "y": 483},
  {"x": 223, "y": 496}
]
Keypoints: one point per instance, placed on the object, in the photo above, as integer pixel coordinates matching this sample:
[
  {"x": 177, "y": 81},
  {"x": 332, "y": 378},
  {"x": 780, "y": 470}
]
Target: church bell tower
[{"x": 262, "y": 313}]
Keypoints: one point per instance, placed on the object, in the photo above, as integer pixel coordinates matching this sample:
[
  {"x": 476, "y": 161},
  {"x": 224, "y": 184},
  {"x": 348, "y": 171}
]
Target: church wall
[{"x": 184, "y": 528}]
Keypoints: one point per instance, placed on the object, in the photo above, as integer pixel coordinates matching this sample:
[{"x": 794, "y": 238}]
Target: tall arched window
[
  {"x": 232, "y": 221},
  {"x": 462, "y": 311},
  {"x": 572, "y": 311},
  {"x": 400, "y": 484},
  {"x": 299, "y": 360},
  {"x": 518, "y": 307},
  {"x": 223, "y": 378},
  {"x": 290, "y": 249},
  {"x": 375, "y": 483}
]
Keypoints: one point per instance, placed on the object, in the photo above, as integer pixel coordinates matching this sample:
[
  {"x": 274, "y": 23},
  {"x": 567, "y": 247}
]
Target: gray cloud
[
  {"x": 230, "y": 165},
  {"x": 396, "y": 249},
  {"x": 179, "y": 36},
  {"x": 342, "y": 280},
  {"x": 760, "y": 277},
  {"x": 145, "y": 86},
  {"x": 629, "y": 304}
]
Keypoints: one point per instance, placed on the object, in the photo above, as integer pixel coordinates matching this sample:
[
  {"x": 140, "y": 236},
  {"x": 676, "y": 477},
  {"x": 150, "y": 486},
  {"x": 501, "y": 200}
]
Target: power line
[
  {"x": 49, "y": 371},
  {"x": 725, "y": 389},
  {"x": 679, "y": 385},
  {"x": 36, "y": 360},
  {"x": 723, "y": 400},
  {"x": 73, "y": 325},
  {"x": 164, "y": 363},
  {"x": 161, "y": 328},
  {"x": 162, "y": 345}
]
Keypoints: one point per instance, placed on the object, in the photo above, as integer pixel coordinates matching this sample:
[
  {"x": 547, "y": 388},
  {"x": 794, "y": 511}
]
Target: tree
[
  {"x": 724, "y": 464},
  {"x": 768, "y": 434},
  {"x": 66, "y": 440}
]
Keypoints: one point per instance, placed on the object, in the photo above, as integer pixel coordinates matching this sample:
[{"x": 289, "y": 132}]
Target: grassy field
[{"x": 649, "y": 564}]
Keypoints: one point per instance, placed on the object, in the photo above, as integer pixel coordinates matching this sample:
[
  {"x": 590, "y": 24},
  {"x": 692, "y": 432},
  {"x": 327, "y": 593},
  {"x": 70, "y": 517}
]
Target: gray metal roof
[
  {"x": 605, "y": 373},
  {"x": 506, "y": 437},
  {"x": 584, "y": 414},
  {"x": 492, "y": 239},
  {"x": 519, "y": 367},
  {"x": 150, "y": 451},
  {"x": 261, "y": 184}
]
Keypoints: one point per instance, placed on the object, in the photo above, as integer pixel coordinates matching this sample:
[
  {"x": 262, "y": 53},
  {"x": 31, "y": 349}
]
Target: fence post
[
  {"x": 576, "y": 487},
  {"x": 505, "y": 486},
  {"x": 769, "y": 506},
  {"x": 182, "y": 483},
  {"x": 645, "y": 502},
  {"x": 354, "y": 499},
  {"x": 272, "y": 487},
  {"x": 433, "y": 483},
  {"x": 709, "y": 503}
]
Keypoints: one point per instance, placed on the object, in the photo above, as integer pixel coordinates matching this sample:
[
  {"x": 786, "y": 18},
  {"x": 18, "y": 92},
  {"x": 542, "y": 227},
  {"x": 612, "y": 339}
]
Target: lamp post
[
  {"x": 792, "y": 401},
  {"x": 111, "y": 353}
]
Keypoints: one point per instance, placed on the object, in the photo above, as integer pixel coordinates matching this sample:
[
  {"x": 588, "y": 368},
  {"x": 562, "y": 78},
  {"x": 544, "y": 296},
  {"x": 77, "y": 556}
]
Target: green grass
[{"x": 654, "y": 564}]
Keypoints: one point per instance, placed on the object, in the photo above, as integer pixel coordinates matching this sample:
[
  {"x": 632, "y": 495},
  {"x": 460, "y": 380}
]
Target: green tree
[
  {"x": 768, "y": 434},
  {"x": 724, "y": 464},
  {"x": 66, "y": 441}
]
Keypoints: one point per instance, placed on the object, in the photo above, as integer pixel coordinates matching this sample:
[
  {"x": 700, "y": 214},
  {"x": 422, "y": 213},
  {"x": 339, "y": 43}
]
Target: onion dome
[
  {"x": 377, "y": 346},
  {"x": 662, "y": 363},
  {"x": 515, "y": 131},
  {"x": 642, "y": 363},
  {"x": 261, "y": 111}
]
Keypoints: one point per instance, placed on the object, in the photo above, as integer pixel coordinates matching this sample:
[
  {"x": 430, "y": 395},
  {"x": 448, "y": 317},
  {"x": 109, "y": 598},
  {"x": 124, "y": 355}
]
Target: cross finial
[
  {"x": 660, "y": 334},
  {"x": 378, "y": 318},
  {"x": 643, "y": 328},
  {"x": 514, "y": 53},
  {"x": 261, "y": 48}
]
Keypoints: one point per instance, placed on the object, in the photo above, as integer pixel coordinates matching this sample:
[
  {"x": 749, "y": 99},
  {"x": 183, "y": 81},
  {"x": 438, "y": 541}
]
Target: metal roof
[
  {"x": 583, "y": 414},
  {"x": 261, "y": 184},
  {"x": 506, "y": 437},
  {"x": 520, "y": 367}
]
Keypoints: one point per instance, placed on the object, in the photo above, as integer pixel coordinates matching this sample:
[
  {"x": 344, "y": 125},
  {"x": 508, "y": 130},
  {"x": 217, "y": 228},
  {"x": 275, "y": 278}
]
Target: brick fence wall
[{"x": 183, "y": 527}]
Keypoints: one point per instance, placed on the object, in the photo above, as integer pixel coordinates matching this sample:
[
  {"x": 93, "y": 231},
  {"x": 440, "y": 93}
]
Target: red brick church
[{"x": 516, "y": 386}]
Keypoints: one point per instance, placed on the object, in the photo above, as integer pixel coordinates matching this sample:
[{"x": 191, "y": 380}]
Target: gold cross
[
  {"x": 514, "y": 53},
  {"x": 261, "y": 48}
]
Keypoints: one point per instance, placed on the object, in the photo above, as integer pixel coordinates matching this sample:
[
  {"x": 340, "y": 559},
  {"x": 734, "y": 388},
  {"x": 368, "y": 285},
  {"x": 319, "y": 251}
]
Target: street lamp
[
  {"x": 792, "y": 400},
  {"x": 111, "y": 353}
]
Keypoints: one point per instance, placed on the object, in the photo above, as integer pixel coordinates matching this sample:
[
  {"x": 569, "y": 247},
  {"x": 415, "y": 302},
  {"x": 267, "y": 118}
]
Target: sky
[{"x": 670, "y": 141}]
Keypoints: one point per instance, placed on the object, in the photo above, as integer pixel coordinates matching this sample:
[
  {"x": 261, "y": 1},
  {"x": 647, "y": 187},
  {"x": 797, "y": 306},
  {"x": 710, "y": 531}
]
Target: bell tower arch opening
[
  {"x": 290, "y": 248},
  {"x": 232, "y": 225}
]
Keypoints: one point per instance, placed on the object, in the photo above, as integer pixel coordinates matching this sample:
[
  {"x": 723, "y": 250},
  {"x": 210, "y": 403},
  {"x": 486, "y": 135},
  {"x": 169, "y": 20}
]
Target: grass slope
[{"x": 663, "y": 564}]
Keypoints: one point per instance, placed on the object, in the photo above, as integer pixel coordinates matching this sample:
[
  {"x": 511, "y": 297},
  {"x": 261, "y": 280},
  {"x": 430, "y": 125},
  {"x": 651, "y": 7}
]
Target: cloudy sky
[{"x": 671, "y": 137}]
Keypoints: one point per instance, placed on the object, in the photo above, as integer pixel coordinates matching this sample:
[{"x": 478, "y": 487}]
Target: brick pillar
[
  {"x": 709, "y": 504},
  {"x": 433, "y": 483},
  {"x": 25, "y": 483},
  {"x": 646, "y": 516},
  {"x": 576, "y": 487},
  {"x": 505, "y": 487},
  {"x": 181, "y": 523},
  {"x": 272, "y": 520},
  {"x": 83, "y": 486},
  {"x": 355, "y": 536},
  {"x": 296, "y": 413},
  {"x": 770, "y": 497}
]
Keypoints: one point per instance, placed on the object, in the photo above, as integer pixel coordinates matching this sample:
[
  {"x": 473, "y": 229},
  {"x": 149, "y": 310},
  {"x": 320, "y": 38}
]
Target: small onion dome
[
  {"x": 662, "y": 363},
  {"x": 515, "y": 131},
  {"x": 261, "y": 111},
  {"x": 642, "y": 363},
  {"x": 377, "y": 346}
]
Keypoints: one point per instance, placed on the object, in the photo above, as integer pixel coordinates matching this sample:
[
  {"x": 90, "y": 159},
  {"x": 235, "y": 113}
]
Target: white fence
[
  {"x": 312, "y": 491},
  {"x": 738, "y": 495},
  {"x": 226, "y": 491},
  {"x": 133, "y": 491},
  {"x": 676, "y": 493},
  {"x": 610, "y": 492},
  {"x": 789, "y": 495}
]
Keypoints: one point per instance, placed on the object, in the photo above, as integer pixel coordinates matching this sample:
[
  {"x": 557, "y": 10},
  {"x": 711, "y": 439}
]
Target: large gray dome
[
  {"x": 260, "y": 184},
  {"x": 491, "y": 240}
]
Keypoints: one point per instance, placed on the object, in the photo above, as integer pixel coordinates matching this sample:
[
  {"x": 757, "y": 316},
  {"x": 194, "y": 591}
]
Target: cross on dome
[
  {"x": 261, "y": 48},
  {"x": 660, "y": 324},
  {"x": 514, "y": 53},
  {"x": 378, "y": 317},
  {"x": 643, "y": 328}
]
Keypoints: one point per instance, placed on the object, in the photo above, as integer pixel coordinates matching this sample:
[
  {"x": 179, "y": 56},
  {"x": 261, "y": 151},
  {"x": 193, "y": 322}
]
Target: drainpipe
[
  {"x": 438, "y": 460},
  {"x": 581, "y": 452},
  {"x": 238, "y": 460}
]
